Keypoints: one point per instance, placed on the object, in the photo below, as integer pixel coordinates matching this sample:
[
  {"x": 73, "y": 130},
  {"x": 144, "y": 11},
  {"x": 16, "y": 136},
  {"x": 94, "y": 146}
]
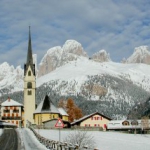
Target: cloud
[{"x": 114, "y": 25}]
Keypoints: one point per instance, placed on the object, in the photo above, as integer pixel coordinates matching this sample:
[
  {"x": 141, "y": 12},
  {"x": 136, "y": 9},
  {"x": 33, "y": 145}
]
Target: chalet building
[
  {"x": 12, "y": 112},
  {"x": 46, "y": 111},
  {"x": 93, "y": 120}
]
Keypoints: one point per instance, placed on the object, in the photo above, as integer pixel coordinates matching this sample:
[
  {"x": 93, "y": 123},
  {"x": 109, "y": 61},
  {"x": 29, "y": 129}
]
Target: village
[{"x": 64, "y": 116}]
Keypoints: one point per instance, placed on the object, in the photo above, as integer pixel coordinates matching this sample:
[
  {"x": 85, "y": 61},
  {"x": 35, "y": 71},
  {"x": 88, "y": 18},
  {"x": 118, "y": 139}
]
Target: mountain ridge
[{"x": 68, "y": 71}]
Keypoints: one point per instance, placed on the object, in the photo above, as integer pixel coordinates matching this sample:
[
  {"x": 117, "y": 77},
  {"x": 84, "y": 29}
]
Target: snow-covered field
[{"x": 107, "y": 140}]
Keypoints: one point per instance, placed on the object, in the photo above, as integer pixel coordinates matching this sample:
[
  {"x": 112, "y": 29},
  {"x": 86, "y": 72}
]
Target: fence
[{"x": 55, "y": 145}]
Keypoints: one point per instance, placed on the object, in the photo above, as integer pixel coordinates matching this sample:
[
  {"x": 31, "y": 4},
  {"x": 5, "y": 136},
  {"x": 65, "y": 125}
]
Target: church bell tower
[{"x": 29, "y": 86}]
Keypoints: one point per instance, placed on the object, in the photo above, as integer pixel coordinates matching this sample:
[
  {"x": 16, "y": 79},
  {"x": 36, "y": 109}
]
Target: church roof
[
  {"x": 29, "y": 55},
  {"x": 46, "y": 106},
  {"x": 10, "y": 102},
  {"x": 62, "y": 112}
]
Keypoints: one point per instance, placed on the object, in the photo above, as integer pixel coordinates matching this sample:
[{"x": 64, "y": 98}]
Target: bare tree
[{"x": 82, "y": 139}]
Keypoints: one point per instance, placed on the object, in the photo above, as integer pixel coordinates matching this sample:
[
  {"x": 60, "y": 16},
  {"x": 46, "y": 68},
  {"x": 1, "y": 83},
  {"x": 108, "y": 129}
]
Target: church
[
  {"x": 27, "y": 114},
  {"x": 45, "y": 110}
]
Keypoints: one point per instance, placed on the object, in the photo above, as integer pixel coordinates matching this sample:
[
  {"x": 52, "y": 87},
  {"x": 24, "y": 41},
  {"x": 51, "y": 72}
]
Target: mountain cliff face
[
  {"x": 101, "y": 56},
  {"x": 141, "y": 55},
  {"x": 50, "y": 61}
]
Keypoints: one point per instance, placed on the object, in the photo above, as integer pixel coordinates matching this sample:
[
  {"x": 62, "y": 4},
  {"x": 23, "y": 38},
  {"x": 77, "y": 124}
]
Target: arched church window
[
  {"x": 29, "y": 92},
  {"x": 29, "y": 73},
  {"x": 29, "y": 85}
]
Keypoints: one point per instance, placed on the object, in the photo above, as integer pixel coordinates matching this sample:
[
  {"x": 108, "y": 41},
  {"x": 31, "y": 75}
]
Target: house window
[
  {"x": 135, "y": 123},
  {"x": 29, "y": 73},
  {"x": 96, "y": 125},
  {"x": 16, "y": 111},
  {"x": 29, "y": 85},
  {"x": 97, "y": 118},
  {"x": 87, "y": 125},
  {"x": 29, "y": 92},
  {"x": 6, "y": 111},
  {"x": 91, "y": 118},
  {"x": 125, "y": 123}
]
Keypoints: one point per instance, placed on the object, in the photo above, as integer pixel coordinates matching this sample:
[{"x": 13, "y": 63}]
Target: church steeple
[
  {"x": 29, "y": 85},
  {"x": 29, "y": 57}
]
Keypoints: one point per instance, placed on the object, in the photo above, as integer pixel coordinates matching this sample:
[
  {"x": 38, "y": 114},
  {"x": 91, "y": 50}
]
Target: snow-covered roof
[
  {"x": 87, "y": 116},
  {"x": 10, "y": 102},
  {"x": 62, "y": 112}
]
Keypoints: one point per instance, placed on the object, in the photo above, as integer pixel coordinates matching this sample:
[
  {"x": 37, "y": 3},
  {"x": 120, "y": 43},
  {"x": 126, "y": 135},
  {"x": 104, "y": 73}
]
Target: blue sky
[{"x": 118, "y": 26}]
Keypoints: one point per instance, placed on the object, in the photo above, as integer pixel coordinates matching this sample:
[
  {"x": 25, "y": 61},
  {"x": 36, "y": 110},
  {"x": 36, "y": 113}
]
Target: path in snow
[
  {"x": 29, "y": 140},
  {"x": 8, "y": 140}
]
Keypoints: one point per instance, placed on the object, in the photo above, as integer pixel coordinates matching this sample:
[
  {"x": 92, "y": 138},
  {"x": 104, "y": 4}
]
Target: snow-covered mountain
[
  {"x": 68, "y": 71},
  {"x": 141, "y": 55},
  {"x": 78, "y": 71},
  {"x": 115, "y": 87}
]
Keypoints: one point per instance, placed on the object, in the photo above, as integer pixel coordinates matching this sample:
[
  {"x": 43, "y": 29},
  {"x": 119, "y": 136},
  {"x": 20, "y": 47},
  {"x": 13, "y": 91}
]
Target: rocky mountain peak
[
  {"x": 50, "y": 61},
  {"x": 141, "y": 55},
  {"x": 101, "y": 56},
  {"x": 74, "y": 47},
  {"x": 57, "y": 56}
]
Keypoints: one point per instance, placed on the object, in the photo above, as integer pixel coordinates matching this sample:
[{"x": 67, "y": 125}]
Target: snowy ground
[
  {"x": 29, "y": 141},
  {"x": 107, "y": 140}
]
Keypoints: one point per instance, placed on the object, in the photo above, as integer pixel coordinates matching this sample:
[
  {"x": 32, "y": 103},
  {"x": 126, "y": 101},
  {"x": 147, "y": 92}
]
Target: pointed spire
[{"x": 29, "y": 55}]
